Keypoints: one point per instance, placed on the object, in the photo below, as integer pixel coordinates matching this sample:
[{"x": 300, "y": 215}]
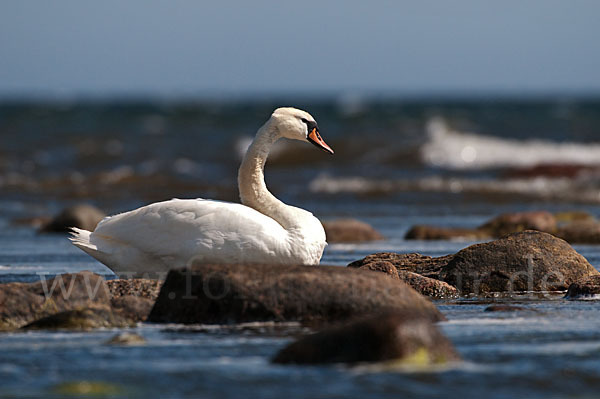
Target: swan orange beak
[{"x": 315, "y": 138}]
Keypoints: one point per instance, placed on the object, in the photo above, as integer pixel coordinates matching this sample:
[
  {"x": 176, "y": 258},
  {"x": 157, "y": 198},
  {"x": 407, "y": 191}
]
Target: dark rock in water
[
  {"x": 508, "y": 308},
  {"x": 526, "y": 261},
  {"x": 428, "y": 286},
  {"x": 383, "y": 267},
  {"x": 145, "y": 288},
  {"x": 399, "y": 337},
  {"x": 22, "y": 303},
  {"x": 350, "y": 230},
  {"x": 584, "y": 288},
  {"x": 423, "y": 285},
  {"x": 497, "y": 227},
  {"x": 580, "y": 232},
  {"x": 81, "y": 319},
  {"x": 131, "y": 307},
  {"x": 218, "y": 294},
  {"x": 516, "y": 222},
  {"x": 416, "y": 263},
  {"x": 126, "y": 339},
  {"x": 83, "y": 216},
  {"x": 423, "y": 232},
  {"x": 573, "y": 216}
]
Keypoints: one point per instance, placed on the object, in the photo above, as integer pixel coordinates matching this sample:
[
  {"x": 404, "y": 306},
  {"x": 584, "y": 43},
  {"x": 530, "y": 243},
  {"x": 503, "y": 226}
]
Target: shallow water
[{"x": 122, "y": 157}]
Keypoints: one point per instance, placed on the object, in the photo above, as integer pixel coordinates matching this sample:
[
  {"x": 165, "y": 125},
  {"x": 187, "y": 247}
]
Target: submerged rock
[
  {"x": 402, "y": 338},
  {"x": 218, "y": 294},
  {"x": 81, "y": 320},
  {"x": 23, "y": 303},
  {"x": 350, "y": 230},
  {"x": 82, "y": 216},
  {"x": 526, "y": 261},
  {"x": 126, "y": 339},
  {"x": 585, "y": 288}
]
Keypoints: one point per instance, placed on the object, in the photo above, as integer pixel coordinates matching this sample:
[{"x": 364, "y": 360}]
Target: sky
[{"x": 198, "y": 48}]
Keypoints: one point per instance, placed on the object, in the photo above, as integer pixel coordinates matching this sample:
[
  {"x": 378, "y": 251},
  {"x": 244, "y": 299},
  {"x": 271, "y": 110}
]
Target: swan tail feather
[{"x": 81, "y": 239}]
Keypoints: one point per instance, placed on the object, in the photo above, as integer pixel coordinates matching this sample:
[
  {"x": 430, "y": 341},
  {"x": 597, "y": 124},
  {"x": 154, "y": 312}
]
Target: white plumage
[{"x": 164, "y": 235}]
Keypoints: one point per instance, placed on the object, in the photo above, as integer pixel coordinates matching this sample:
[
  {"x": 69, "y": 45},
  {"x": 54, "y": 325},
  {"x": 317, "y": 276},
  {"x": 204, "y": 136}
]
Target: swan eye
[{"x": 310, "y": 124}]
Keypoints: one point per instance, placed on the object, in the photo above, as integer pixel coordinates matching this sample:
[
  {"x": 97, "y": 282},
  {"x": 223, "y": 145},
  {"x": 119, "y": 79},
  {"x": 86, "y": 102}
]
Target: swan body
[{"x": 164, "y": 235}]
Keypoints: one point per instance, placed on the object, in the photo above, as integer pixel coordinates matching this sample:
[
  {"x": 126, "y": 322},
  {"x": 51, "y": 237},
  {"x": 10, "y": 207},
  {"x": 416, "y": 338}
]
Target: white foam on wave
[
  {"x": 577, "y": 190},
  {"x": 460, "y": 150}
]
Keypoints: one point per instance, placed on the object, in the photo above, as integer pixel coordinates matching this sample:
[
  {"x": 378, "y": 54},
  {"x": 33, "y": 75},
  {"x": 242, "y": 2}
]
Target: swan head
[{"x": 296, "y": 124}]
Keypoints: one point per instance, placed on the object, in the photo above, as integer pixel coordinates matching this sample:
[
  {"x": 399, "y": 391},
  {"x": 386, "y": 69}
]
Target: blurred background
[
  {"x": 463, "y": 106},
  {"x": 444, "y": 113}
]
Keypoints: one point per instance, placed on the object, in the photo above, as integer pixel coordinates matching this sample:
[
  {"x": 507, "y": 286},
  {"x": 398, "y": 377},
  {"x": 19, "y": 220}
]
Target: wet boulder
[
  {"x": 89, "y": 318},
  {"x": 585, "y": 288},
  {"x": 82, "y": 216},
  {"x": 427, "y": 286},
  {"x": 425, "y": 232},
  {"x": 220, "y": 294},
  {"x": 580, "y": 232},
  {"x": 516, "y": 222},
  {"x": 399, "y": 337},
  {"x": 423, "y": 285},
  {"x": 139, "y": 287},
  {"x": 382, "y": 267},
  {"x": 132, "y": 307},
  {"x": 526, "y": 261},
  {"x": 350, "y": 230},
  {"x": 416, "y": 263},
  {"x": 23, "y": 303}
]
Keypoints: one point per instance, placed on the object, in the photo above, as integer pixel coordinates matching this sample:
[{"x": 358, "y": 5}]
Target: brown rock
[
  {"x": 126, "y": 339},
  {"x": 573, "y": 216},
  {"x": 131, "y": 307},
  {"x": 218, "y": 294},
  {"x": 526, "y": 261},
  {"x": 584, "y": 288},
  {"x": 580, "y": 232},
  {"x": 399, "y": 337},
  {"x": 97, "y": 316},
  {"x": 383, "y": 267},
  {"x": 423, "y": 232},
  {"x": 350, "y": 230},
  {"x": 145, "y": 288},
  {"x": 515, "y": 222},
  {"x": 423, "y": 285},
  {"x": 22, "y": 303},
  {"x": 83, "y": 216},
  {"x": 416, "y": 263},
  {"x": 428, "y": 286}
]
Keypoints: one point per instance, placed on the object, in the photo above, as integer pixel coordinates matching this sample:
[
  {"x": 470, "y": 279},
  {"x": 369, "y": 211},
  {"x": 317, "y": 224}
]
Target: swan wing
[{"x": 178, "y": 231}]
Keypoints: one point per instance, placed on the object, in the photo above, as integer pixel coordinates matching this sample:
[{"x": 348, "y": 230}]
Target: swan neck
[{"x": 251, "y": 179}]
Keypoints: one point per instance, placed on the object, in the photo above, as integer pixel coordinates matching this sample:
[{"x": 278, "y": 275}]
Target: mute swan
[{"x": 164, "y": 235}]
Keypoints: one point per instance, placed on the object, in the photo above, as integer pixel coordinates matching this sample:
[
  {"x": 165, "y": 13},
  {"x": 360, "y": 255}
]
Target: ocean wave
[
  {"x": 561, "y": 189},
  {"x": 461, "y": 150}
]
